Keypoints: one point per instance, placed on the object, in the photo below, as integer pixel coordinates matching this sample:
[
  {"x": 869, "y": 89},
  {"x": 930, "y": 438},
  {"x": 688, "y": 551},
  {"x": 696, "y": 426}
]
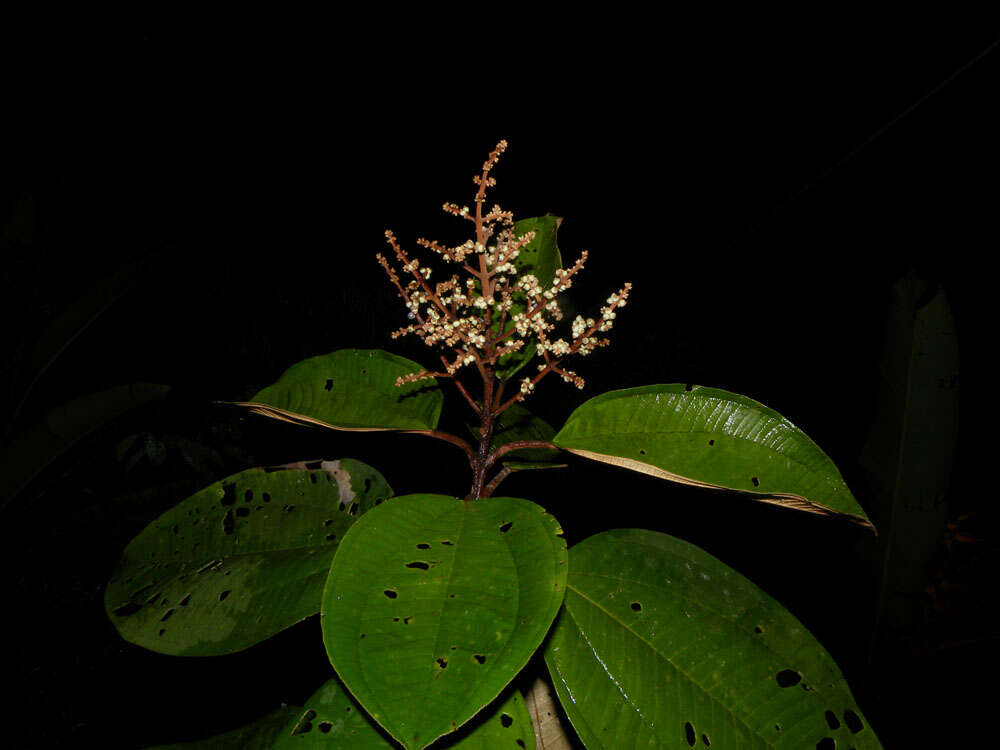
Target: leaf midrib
[{"x": 663, "y": 656}]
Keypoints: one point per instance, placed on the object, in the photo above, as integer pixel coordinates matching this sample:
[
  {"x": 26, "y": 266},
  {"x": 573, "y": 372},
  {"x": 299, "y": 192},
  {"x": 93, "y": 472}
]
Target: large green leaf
[
  {"x": 541, "y": 258},
  {"x": 909, "y": 455},
  {"x": 259, "y": 735},
  {"x": 709, "y": 438},
  {"x": 352, "y": 389},
  {"x": 659, "y": 644},
  {"x": 434, "y": 604},
  {"x": 63, "y": 427},
  {"x": 332, "y": 719},
  {"x": 240, "y": 560}
]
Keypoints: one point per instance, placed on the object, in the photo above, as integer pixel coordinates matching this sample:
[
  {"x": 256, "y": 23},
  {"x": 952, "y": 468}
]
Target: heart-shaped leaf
[
  {"x": 332, "y": 719},
  {"x": 240, "y": 560},
  {"x": 433, "y": 605},
  {"x": 709, "y": 438},
  {"x": 352, "y": 389},
  {"x": 659, "y": 644}
]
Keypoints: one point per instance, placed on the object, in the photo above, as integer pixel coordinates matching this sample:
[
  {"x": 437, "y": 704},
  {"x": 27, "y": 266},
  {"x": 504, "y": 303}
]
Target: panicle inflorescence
[{"x": 487, "y": 308}]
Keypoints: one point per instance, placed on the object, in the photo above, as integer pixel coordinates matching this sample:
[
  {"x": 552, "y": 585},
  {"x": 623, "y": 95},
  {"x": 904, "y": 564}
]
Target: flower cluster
[{"x": 492, "y": 306}]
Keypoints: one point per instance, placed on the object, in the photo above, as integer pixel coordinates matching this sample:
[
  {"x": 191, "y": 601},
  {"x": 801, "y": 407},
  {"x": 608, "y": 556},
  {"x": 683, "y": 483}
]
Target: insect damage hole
[
  {"x": 329, "y": 384},
  {"x": 832, "y": 721},
  {"x": 224, "y": 594},
  {"x": 390, "y": 593},
  {"x": 480, "y": 659},
  {"x": 689, "y": 734},
  {"x": 827, "y": 743},
  {"x": 852, "y": 721},
  {"x": 442, "y": 662},
  {"x": 704, "y": 738},
  {"x": 504, "y": 528},
  {"x": 636, "y": 607},
  {"x": 788, "y": 678},
  {"x": 755, "y": 481},
  {"x": 506, "y": 720},
  {"x": 423, "y": 545},
  {"x": 417, "y": 565}
]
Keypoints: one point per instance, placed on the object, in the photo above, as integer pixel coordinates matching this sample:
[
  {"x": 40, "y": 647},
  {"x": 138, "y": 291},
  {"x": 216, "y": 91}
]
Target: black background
[{"x": 760, "y": 176}]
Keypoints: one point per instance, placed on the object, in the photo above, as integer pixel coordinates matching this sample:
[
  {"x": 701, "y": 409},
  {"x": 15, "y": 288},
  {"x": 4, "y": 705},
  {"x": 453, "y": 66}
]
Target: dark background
[{"x": 762, "y": 177}]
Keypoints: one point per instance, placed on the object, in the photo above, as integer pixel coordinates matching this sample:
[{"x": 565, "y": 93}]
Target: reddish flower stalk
[{"x": 473, "y": 318}]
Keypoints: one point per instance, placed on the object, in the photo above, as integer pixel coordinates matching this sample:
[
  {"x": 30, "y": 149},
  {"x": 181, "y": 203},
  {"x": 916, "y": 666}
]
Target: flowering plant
[{"x": 432, "y": 605}]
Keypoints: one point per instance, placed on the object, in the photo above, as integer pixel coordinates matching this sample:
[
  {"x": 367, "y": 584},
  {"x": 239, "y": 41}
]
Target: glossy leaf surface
[
  {"x": 332, "y": 719},
  {"x": 659, "y": 644},
  {"x": 434, "y": 604},
  {"x": 260, "y": 735},
  {"x": 240, "y": 560},
  {"x": 710, "y": 438},
  {"x": 352, "y": 389}
]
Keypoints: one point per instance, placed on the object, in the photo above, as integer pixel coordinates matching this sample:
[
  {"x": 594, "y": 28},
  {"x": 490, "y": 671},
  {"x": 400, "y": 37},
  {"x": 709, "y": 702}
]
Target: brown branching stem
[
  {"x": 448, "y": 438},
  {"x": 490, "y": 488}
]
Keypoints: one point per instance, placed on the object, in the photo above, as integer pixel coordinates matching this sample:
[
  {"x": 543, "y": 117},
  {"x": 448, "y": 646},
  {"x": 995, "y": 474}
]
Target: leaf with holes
[
  {"x": 434, "y": 604},
  {"x": 710, "y": 438},
  {"x": 262, "y": 733},
  {"x": 663, "y": 644},
  {"x": 240, "y": 560},
  {"x": 332, "y": 719},
  {"x": 352, "y": 389},
  {"x": 541, "y": 258}
]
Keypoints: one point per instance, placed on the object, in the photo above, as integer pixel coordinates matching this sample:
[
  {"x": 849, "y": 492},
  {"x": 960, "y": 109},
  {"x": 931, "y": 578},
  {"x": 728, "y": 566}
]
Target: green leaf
[
  {"x": 709, "y": 438},
  {"x": 909, "y": 455},
  {"x": 352, "y": 389},
  {"x": 332, "y": 719},
  {"x": 240, "y": 560},
  {"x": 434, "y": 604},
  {"x": 659, "y": 644},
  {"x": 262, "y": 733},
  {"x": 517, "y": 423},
  {"x": 63, "y": 427},
  {"x": 540, "y": 257}
]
